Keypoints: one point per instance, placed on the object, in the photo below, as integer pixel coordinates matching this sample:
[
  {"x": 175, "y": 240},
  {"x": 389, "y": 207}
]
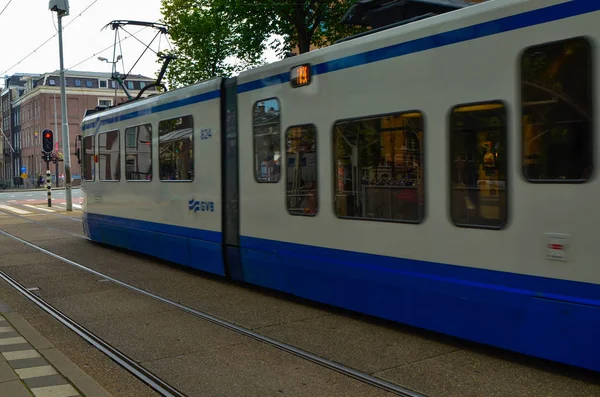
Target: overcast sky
[{"x": 27, "y": 24}]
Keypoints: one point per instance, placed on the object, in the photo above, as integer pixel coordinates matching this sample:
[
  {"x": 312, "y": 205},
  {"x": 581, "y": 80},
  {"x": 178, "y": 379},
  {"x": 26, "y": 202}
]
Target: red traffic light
[{"x": 47, "y": 141}]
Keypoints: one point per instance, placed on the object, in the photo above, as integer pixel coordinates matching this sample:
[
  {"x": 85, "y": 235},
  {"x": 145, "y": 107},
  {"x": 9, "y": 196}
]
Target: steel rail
[
  {"x": 120, "y": 358},
  {"x": 358, "y": 375}
]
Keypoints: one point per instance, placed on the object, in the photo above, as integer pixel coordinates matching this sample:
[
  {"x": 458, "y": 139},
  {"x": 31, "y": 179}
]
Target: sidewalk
[{"x": 31, "y": 366}]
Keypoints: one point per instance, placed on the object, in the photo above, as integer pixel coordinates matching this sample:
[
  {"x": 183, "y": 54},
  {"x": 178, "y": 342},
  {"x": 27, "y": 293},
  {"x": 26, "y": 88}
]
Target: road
[{"x": 17, "y": 202}]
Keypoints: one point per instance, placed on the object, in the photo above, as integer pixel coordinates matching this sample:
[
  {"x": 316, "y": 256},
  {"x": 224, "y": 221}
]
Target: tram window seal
[
  {"x": 193, "y": 150},
  {"x": 306, "y": 126},
  {"x": 94, "y": 140},
  {"x": 423, "y": 167},
  {"x": 98, "y": 151},
  {"x": 590, "y": 73},
  {"x": 254, "y": 140},
  {"x": 504, "y": 222},
  {"x": 151, "y": 153}
]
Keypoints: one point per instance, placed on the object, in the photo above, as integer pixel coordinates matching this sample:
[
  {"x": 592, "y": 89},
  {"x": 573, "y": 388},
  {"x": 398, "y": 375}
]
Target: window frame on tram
[
  {"x": 255, "y": 166},
  {"x": 93, "y": 158},
  {"x": 193, "y": 148},
  {"x": 587, "y": 155},
  {"x": 420, "y": 176},
  {"x": 452, "y": 168},
  {"x": 118, "y": 168}
]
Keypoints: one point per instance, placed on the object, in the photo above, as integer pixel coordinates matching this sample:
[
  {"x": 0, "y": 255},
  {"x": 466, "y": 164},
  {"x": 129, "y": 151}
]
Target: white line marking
[
  {"x": 12, "y": 341},
  {"x": 29, "y": 195},
  {"x": 77, "y": 206},
  {"x": 37, "y": 207},
  {"x": 34, "y": 372},
  {"x": 54, "y": 391},
  {"x": 6, "y": 329},
  {"x": 15, "y": 210},
  {"x": 30, "y": 200},
  {"x": 21, "y": 355}
]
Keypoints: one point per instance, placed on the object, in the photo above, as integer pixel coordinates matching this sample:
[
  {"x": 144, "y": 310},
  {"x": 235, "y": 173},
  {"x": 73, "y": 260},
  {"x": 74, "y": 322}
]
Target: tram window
[
  {"x": 301, "y": 175},
  {"x": 138, "y": 153},
  {"x": 109, "y": 159},
  {"x": 378, "y": 169},
  {"x": 556, "y": 94},
  {"x": 267, "y": 140},
  {"x": 88, "y": 158},
  {"x": 176, "y": 149},
  {"x": 478, "y": 165}
]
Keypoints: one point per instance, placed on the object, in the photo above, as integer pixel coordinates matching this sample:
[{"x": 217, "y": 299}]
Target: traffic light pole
[
  {"x": 65, "y": 125},
  {"x": 48, "y": 184}
]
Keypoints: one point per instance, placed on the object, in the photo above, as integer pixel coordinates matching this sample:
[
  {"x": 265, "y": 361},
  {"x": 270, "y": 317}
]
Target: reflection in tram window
[
  {"x": 556, "y": 84},
  {"x": 109, "y": 159},
  {"x": 478, "y": 169},
  {"x": 301, "y": 175},
  {"x": 176, "y": 149},
  {"x": 267, "y": 140},
  {"x": 379, "y": 168},
  {"x": 89, "y": 173},
  {"x": 138, "y": 153}
]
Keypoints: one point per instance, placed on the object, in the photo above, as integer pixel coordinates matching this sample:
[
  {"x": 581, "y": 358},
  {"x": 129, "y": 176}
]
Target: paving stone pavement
[{"x": 31, "y": 366}]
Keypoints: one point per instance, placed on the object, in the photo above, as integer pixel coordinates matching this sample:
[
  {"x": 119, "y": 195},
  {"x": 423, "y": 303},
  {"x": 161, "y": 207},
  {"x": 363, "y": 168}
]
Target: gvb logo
[{"x": 204, "y": 206}]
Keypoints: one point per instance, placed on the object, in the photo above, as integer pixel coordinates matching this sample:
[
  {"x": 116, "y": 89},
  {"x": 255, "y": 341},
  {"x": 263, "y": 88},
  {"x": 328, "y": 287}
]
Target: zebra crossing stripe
[
  {"x": 15, "y": 210},
  {"x": 38, "y": 208}
]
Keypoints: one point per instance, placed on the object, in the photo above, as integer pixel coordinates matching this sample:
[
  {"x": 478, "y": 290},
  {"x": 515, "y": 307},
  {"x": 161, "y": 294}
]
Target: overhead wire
[
  {"x": 107, "y": 48},
  {"x": 5, "y": 7},
  {"x": 48, "y": 40}
]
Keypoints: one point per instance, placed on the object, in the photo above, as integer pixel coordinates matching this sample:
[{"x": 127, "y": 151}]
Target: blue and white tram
[{"x": 438, "y": 174}]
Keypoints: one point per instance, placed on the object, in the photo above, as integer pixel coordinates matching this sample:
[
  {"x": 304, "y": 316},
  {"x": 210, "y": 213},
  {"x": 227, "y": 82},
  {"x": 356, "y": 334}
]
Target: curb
[{"x": 69, "y": 370}]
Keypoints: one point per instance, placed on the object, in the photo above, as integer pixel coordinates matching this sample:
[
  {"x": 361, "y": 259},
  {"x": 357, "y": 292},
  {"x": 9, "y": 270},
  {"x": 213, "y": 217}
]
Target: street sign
[{"x": 23, "y": 169}]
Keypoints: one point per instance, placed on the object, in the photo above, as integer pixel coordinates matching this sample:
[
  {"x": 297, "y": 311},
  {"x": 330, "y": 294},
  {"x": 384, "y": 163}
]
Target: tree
[
  {"x": 210, "y": 33},
  {"x": 205, "y": 38}
]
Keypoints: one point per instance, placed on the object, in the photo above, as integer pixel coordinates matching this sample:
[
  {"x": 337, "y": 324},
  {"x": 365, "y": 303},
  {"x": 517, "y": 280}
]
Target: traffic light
[{"x": 47, "y": 141}]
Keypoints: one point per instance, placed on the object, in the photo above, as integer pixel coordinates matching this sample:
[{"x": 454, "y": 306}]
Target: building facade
[
  {"x": 14, "y": 86},
  {"x": 36, "y": 106}
]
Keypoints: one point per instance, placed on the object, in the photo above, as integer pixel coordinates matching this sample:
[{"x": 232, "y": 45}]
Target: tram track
[{"x": 331, "y": 365}]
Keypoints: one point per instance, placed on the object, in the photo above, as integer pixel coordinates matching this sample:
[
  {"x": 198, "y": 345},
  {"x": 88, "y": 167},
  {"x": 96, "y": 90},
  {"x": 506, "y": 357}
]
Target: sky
[{"x": 26, "y": 24}]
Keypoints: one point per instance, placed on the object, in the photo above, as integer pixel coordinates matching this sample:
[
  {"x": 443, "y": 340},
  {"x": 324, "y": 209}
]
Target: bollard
[{"x": 49, "y": 188}]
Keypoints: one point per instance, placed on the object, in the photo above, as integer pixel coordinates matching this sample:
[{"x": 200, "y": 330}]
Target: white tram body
[{"x": 431, "y": 173}]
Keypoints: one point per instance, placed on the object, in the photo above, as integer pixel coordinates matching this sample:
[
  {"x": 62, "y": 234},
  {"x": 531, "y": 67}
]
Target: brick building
[{"x": 33, "y": 104}]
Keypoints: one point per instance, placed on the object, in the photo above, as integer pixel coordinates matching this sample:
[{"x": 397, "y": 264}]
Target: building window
[
  {"x": 51, "y": 82},
  {"x": 557, "y": 110},
  {"x": 378, "y": 168},
  {"x": 130, "y": 85},
  {"x": 77, "y": 83},
  {"x": 176, "y": 149},
  {"x": 102, "y": 83},
  {"x": 109, "y": 159},
  {"x": 267, "y": 140},
  {"x": 301, "y": 175},
  {"x": 142, "y": 84},
  {"x": 105, "y": 102},
  {"x": 88, "y": 158},
  {"x": 138, "y": 153},
  {"x": 478, "y": 165},
  {"x": 89, "y": 84}
]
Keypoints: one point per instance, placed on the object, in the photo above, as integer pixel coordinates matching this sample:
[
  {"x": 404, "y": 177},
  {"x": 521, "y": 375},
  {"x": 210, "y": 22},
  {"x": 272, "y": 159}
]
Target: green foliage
[
  {"x": 206, "y": 38},
  {"x": 210, "y": 33}
]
